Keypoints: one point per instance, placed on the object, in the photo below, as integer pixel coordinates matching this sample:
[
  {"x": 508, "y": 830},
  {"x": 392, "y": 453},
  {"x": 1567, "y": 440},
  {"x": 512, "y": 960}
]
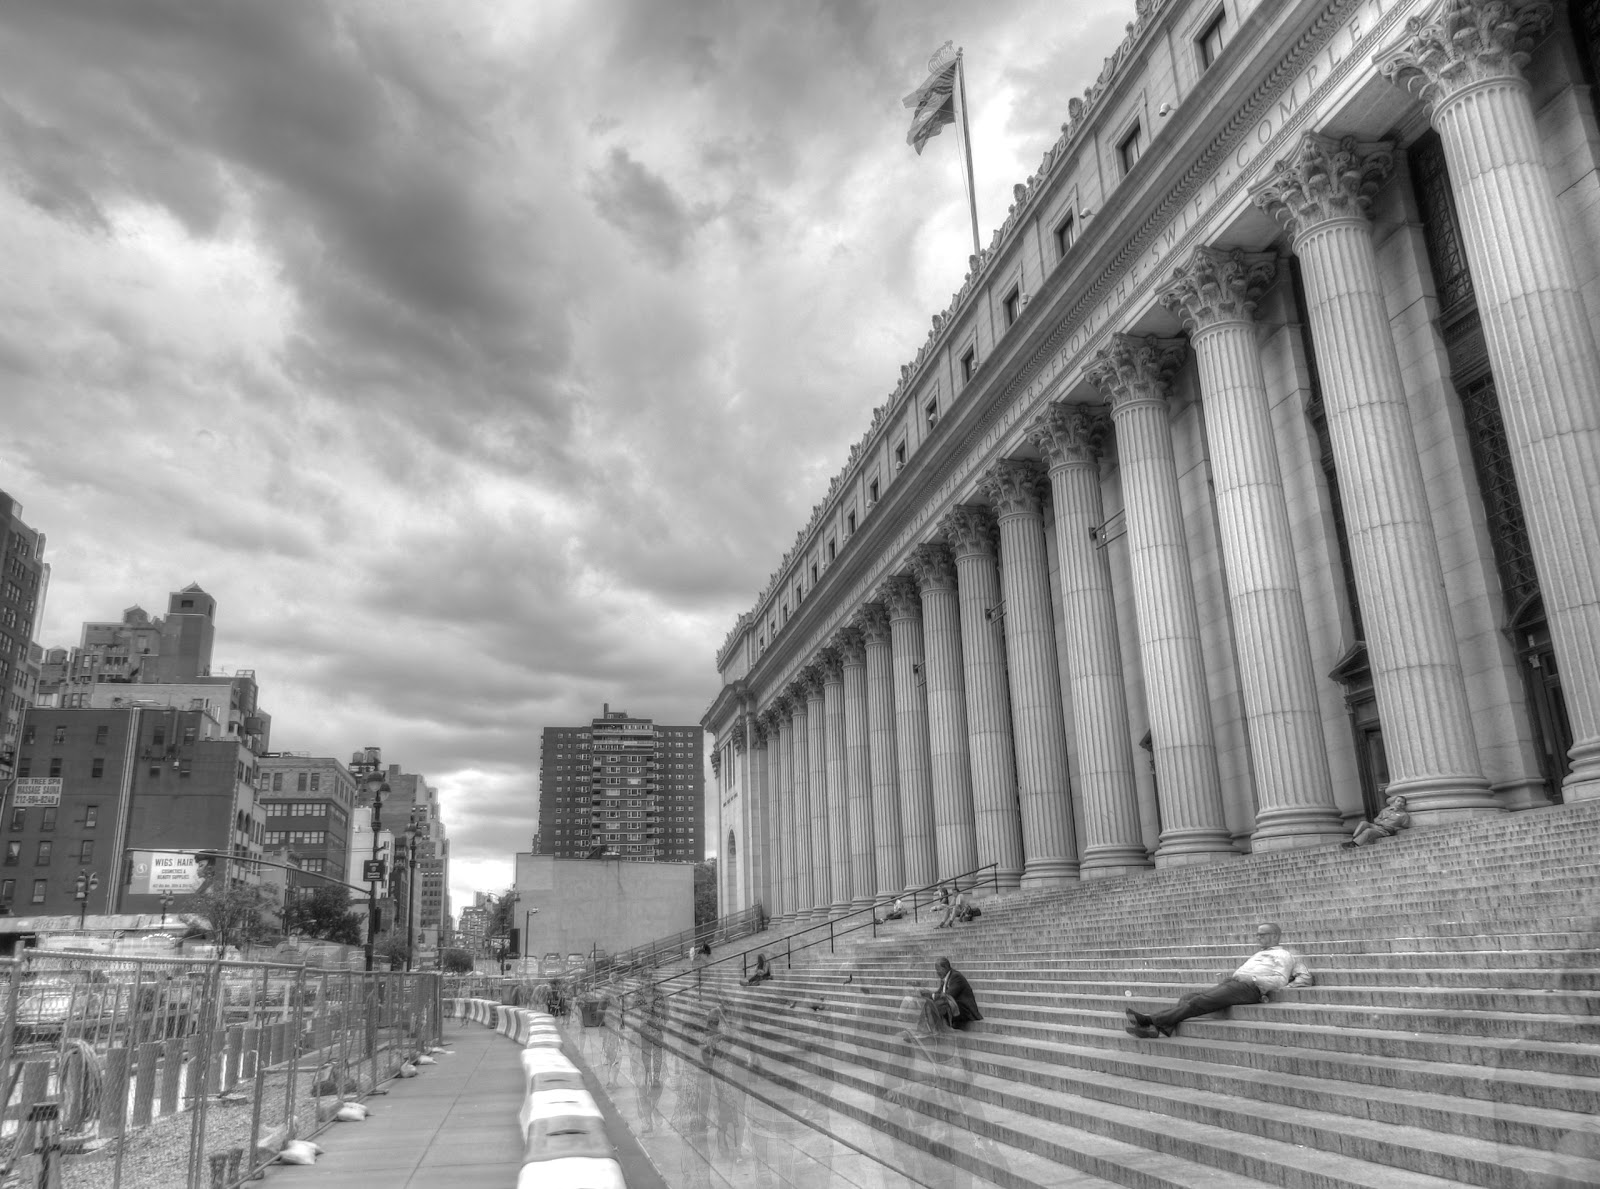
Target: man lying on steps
[{"x": 1271, "y": 968}]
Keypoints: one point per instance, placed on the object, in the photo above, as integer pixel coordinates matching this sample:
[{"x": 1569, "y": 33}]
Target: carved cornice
[
  {"x": 1070, "y": 435},
  {"x": 1217, "y": 286},
  {"x": 850, "y": 646},
  {"x": 901, "y": 594},
  {"x": 933, "y": 567},
  {"x": 970, "y": 531},
  {"x": 1133, "y": 370},
  {"x": 872, "y": 621},
  {"x": 1017, "y": 486},
  {"x": 1462, "y": 42},
  {"x": 1324, "y": 180}
]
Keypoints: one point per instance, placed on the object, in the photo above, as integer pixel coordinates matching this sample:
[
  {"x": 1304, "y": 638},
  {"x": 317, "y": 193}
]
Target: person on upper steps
[{"x": 1273, "y": 967}]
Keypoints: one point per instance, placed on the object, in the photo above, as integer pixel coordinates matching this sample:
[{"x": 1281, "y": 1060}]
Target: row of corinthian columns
[{"x": 951, "y": 740}]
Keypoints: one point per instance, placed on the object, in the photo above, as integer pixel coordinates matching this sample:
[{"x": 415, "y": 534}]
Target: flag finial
[{"x": 943, "y": 56}]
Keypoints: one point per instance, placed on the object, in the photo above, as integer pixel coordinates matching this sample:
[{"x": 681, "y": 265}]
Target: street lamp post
[
  {"x": 412, "y": 832},
  {"x": 87, "y": 882},
  {"x": 526, "y": 947},
  {"x": 166, "y": 907},
  {"x": 377, "y": 786}
]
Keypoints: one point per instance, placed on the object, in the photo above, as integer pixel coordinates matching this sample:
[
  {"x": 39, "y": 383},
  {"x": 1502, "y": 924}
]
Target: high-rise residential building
[
  {"x": 308, "y": 802},
  {"x": 95, "y": 785},
  {"x": 622, "y": 787},
  {"x": 23, "y": 583}
]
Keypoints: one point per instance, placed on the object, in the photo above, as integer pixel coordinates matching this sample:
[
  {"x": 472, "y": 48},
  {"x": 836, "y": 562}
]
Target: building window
[
  {"x": 91, "y": 816},
  {"x": 969, "y": 364},
  {"x": 1130, "y": 147},
  {"x": 1210, "y": 42},
  {"x": 872, "y": 492},
  {"x": 19, "y": 820},
  {"x": 41, "y": 857},
  {"x": 48, "y": 818},
  {"x": 850, "y": 523},
  {"x": 25, "y": 766},
  {"x": 1066, "y": 232},
  {"x": 98, "y": 767},
  {"x": 1012, "y": 305},
  {"x": 277, "y": 782},
  {"x": 301, "y": 782},
  {"x": 27, "y": 734},
  {"x": 833, "y": 550},
  {"x": 101, "y": 734},
  {"x": 39, "y": 886},
  {"x": 931, "y": 412},
  {"x": 60, "y": 735},
  {"x": 55, "y": 765},
  {"x": 316, "y": 782},
  {"x": 13, "y": 853},
  {"x": 8, "y": 889},
  {"x": 86, "y": 851},
  {"x": 900, "y": 455},
  {"x": 189, "y": 735}
]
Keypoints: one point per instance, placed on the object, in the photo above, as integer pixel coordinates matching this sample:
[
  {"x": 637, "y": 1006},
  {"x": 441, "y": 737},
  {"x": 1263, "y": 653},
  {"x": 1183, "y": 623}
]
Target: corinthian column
[
  {"x": 888, "y": 864},
  {"x": 954, "y": 836},
  {"x": 1070, "y": 437},
  {"x": 1134, "y": 373},
  {"x": 1216, "y": 293},
  {"x": 912, "y": 749},
  {"x": 1467, "y": 65},
  {"x": 779, "y": 799},
  {"x": 836, "y": 815},
  {"x": 817, "y": 679},
  {"x": 1037, "y": 720},
  {"x": 860, "y": 837},
  {"x": 1321, "y": 195},
  {"x": 970, "y": 533},
  {"x": 805, "y": 883},
  {"x": 757, "y": 815}
]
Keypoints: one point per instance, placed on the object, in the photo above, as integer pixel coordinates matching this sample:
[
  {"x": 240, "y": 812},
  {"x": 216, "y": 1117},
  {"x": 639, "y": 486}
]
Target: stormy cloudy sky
[{"x": 480, "y": 357}]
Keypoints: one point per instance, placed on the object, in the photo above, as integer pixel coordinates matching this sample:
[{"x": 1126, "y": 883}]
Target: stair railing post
[{"x": 830, "y": 935}]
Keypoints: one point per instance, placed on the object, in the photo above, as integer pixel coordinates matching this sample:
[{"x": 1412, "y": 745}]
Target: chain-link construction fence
[{"x": 123, "y": 1073}]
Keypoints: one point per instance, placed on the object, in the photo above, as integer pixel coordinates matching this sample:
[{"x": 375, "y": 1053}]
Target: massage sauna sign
[{"x": 29, "y": 791}]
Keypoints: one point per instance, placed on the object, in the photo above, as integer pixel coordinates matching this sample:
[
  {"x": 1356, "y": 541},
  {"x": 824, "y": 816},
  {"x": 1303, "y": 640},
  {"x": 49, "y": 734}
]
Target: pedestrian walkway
[{"x": 455, "y": 1123}]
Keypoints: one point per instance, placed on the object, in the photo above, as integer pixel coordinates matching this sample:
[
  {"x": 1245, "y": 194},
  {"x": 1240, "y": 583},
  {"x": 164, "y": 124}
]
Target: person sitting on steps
[
  {"x": 1272, "y": 967},
  {"x": 761, "y": 973},
  {"x": 1391, "y": 819},
  {"x": 954, "y": 999},
  {"x": 898, "y": 911},
  {"x": 953, "y": 908}
]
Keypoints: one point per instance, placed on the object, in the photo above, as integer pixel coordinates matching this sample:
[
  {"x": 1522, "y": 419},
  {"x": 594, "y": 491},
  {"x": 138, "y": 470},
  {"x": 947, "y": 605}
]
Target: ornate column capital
[
  {"x": 807, "y": 685},
  {"x": 759, "y": 731},
  {"x": 1322, "y": 180},
  {"x": 1462, "y": 42},
  {"x": 1069, "y": 435},
  {"x": 829, "y": 664},
  {"x": 716, "y": 761},
  {"x": 969, "y": 529},
  {"x": 901, "y": 596},
  {"x": 933, "y": 566},
  {"x": 1016, "y": 485},
  {"x": 780, "y": 708},
  {"x": 737, "y": 736},
  {"x": 872, "y": 621},
  {"x": 850, "y": 646},
  {"x": 1136, "y": 370},
  {"x": 1217, "y": 286}
]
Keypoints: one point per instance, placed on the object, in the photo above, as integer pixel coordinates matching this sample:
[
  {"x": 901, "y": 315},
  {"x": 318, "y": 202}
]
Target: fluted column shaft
[
  {"x": 758, "y": 855},
  {"x": 862, "y": 837},
  {"x": 1411, "y": 642},
  {"x": 955, "y": 837},
  {"x": 1113, "y": 843},
  {"x": 996, "y": 817},
  {"x": 1038, "y": 719},
  {"x": 1194, "y": 829},
  {"x": 912, "y": 747},
  {"x": 822, "y": 870},
  {"x": 839, "y": 793},
  {"x": 1216, "y": 294},
  {"x": 779, "y": 800},
  {"x": 1546, "y": 372},
  {"x": 805, "y": 893},
  {"x": 888, "y": 868}
]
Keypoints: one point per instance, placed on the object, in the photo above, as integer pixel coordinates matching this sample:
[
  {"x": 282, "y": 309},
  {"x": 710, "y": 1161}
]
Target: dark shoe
[
  {"x": 1138, "y": 1018},
  {"x": 1347, "y": 846},
  {"x": 1143, "y": 1032}
]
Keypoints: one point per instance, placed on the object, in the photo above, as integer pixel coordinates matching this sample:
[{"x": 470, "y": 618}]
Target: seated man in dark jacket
[{"x": 954, "y": 999}]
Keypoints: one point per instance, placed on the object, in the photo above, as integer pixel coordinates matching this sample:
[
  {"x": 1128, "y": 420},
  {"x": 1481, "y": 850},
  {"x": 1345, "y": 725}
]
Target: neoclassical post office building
[{"x": 1252, "y": 476}]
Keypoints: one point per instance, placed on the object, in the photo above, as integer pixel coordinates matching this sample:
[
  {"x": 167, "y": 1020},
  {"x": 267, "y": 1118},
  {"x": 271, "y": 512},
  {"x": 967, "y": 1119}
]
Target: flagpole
[{"x": 966, "y": 144}]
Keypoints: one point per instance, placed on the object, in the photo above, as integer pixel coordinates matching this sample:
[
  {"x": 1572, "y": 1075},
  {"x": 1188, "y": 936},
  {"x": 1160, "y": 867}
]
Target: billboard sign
[
  {"x": 28, "y": 791},
  {"x": 164, "y": 873}
]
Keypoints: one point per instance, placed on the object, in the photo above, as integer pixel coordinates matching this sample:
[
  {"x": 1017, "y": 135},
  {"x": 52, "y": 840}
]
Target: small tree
[
  {"x": 393, "y": 950},
  {"x": 455, "y": 961},
  {"x": 705, "y": 893},
  {"x": 231, "y": 915},
  {"x": 323, "y": 914}
]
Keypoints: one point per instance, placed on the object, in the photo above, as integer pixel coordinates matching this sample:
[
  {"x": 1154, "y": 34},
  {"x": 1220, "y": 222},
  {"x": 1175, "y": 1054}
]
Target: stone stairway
[{"x": 1451, "y": 1037}]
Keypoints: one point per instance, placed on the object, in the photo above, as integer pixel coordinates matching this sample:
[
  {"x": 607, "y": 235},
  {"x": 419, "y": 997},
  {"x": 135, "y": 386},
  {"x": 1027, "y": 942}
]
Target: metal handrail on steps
[{"x": 963, "y": 882}]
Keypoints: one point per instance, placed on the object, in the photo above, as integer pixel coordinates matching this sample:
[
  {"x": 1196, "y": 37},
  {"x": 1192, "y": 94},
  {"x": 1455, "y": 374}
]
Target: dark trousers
[{"x": 1197, "y": 1003}]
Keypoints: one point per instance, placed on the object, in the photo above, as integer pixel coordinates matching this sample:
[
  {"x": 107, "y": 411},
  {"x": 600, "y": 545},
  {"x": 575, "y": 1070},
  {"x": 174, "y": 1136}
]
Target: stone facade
[{"x": 1277, "y": 491}]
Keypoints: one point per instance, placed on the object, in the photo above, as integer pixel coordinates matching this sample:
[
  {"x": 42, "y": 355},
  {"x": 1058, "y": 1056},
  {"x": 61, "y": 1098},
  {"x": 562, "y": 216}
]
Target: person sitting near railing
[
  {"x": 959, "y": 909},
  {"x": 945, "y": 906},
  {"x": 761, "y": 973},
  {"x": 898, "y": 911},
  {"x": 954, "y": 999}
]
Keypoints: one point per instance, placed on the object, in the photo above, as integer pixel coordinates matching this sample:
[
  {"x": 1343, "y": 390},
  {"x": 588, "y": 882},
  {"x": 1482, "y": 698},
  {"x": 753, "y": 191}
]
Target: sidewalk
[{"x": 455, "y": 1123}]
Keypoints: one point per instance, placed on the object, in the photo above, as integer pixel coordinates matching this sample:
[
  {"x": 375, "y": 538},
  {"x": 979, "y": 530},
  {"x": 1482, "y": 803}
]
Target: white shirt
[{"x": 1274, "y": 969}]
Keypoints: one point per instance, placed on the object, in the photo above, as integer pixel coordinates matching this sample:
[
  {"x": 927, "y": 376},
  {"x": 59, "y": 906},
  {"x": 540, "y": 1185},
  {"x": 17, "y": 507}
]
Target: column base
[
  {"x": 1186, "y": 848},
  {"x": 1439, "y": 800},
  {"x": 861, "y": 902},
  {"x": 839, "y": 908},
  {"x": 1049, "y": 873},
  {"x": 1528, "y": 793},
  {"x": 1583, "y": 781},
  {"x": 989, "y": 881},
  {"x": 1297, "y": 826},
  {"x": 1103, "y": 862}
]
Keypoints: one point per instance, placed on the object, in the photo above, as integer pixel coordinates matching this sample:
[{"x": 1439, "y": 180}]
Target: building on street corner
[{"x": 1252, "y": 475}]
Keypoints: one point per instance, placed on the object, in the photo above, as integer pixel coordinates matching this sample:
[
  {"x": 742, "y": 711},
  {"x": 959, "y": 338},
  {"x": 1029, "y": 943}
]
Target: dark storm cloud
[{"x": 481, "y": 359}]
